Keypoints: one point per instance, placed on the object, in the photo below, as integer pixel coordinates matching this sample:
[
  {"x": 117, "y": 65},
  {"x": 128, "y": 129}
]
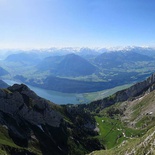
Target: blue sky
[{"x": 76, "y": 23}]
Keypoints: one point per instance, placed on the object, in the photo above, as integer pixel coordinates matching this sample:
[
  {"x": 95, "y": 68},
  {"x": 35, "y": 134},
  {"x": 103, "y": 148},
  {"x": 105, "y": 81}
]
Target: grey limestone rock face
[
  {"x": 141, "y": 86},
  {"x": 130, "y": 93},
  {"x": 26, "y": 114},
  {"x": 137, "y": 89},
  {"x": 23, "y": 102}
]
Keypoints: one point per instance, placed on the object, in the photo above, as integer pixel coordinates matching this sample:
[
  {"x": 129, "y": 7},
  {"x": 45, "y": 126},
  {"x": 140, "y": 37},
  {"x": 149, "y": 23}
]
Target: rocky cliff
[
  {"x": 134, "y": 91},
  {"x": 37, "y": 126},
  {"x": 28, "y": 117}
]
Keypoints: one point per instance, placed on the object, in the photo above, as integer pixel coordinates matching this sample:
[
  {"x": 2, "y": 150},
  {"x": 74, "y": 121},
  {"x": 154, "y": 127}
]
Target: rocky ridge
[
  {"x": 26, "y": 115},
  {"x": 131, "y": 93},
  {"x": 37, "y": 126}
]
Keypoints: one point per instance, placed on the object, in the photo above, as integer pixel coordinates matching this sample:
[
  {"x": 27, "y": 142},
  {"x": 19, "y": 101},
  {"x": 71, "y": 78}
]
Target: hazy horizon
[{"x": 112, "y": 48}]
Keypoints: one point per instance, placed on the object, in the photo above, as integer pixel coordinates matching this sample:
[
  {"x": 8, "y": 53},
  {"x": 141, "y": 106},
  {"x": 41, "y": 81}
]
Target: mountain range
[
  {"x": 3, "y": 71},
  {"x": 24, "y": 58},
  {"x": 69, "y": 65},
  {"x": 81, "y": 67},
  {"x": 118, "y": 59},
  {"x": 122, "y": 123},
  {"x": 3, "y": 84}
]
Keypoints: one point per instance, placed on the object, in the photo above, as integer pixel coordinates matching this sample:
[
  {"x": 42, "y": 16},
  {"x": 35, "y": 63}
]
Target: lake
[
  {"x": 53, "y": 96},
  {"x": 68, "y": 98}
]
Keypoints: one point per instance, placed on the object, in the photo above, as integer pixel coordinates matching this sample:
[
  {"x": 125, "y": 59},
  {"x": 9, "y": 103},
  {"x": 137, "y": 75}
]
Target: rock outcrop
[
  {"x": 26, "y": 115},
  {"x": 134, "y": 91},
  {"x": 41, "y": 127},
  {"x": 137, "y": 89}
]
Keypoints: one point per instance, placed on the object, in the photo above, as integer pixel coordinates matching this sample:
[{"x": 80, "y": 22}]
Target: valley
[
  {"x": 108, "y": 110},
  {"x": 120, "y": 123},
  {"x": 82, "y": 71}
]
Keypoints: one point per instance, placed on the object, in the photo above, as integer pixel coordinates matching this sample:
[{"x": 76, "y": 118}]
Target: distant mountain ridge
[
  {"x": 113, "y": 68},
  {"x": 69, "y": 65},
  {"x": 25, "y": 58},
  {"x": 3, "y": 84},
  {"x": 73, "y": 65},
  {"x": 3, "y": 72},
  {"x": 114, "y": 59}
]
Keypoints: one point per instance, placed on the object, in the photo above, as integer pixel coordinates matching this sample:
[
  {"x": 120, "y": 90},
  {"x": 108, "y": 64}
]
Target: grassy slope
[
  {"x": 131, "y": 132},
  {"x": 113, "y": 132},
  {"x": 136, "y": 146}
]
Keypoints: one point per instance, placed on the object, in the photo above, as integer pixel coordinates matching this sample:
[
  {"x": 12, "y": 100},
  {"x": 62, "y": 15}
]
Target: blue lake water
[
  {"x": 56, "y": 97},
  {"x": 67, "y": 98}
]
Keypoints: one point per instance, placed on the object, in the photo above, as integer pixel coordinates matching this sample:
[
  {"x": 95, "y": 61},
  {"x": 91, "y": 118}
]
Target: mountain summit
[{"x": 70, "y": 65}]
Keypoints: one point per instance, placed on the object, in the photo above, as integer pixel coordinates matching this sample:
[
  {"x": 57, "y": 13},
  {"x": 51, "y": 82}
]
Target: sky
[{"x": 76, "y": 23}]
